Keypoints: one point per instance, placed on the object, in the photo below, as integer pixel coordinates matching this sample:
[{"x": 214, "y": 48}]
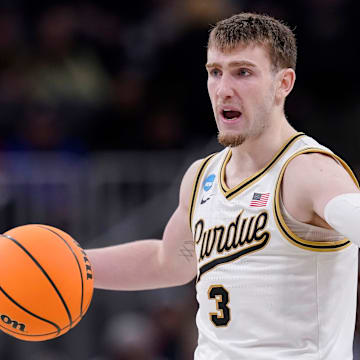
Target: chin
[{"x": 231, "y": 140}]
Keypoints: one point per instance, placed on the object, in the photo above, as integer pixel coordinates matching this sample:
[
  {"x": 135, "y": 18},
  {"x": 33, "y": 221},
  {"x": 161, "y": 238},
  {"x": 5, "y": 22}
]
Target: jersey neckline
[{"x": 230, "y": 193}]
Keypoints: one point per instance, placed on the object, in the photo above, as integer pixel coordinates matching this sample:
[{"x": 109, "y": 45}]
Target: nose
[{"x": 225, "y": 88}]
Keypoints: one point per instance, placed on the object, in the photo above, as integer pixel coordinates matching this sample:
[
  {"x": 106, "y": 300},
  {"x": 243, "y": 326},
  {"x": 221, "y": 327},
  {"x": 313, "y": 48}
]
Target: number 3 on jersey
[{"x": 221, "y": 296}]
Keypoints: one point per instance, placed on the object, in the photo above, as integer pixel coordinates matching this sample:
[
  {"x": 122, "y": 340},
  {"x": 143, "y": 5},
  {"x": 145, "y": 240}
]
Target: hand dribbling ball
[{"x": 46, "y": 282}]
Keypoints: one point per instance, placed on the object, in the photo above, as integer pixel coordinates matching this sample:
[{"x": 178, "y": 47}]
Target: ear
[{"x": 286, "y": 81}]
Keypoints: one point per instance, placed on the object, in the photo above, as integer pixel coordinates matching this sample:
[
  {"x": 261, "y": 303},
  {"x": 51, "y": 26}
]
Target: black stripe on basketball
[
  {"x": 29, "y": 312},
  {"x": 46, "y": 334},
  {"x": 17, "y": 333},
  {"x": 43, "y": 271},
  {"x": 77, "y": 260}
]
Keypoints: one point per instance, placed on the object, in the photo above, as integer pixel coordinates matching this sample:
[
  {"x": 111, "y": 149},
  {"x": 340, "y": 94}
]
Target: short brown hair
[{"x": 247, "y": 28}]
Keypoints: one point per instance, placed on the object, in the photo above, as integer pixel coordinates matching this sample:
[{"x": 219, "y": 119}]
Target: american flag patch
[{"x": 259, "y": 199}]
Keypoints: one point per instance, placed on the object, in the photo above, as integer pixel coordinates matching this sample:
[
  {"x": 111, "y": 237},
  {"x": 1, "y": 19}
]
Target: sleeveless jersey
[{"x": 263, "y": 292}]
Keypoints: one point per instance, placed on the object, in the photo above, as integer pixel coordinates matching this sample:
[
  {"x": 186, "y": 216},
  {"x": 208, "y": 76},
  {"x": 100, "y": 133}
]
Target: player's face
[{"x": 242, "y": 92}]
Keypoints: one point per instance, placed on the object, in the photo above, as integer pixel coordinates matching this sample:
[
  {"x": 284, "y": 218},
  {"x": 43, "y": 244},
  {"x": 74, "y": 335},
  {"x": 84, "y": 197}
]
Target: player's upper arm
[
  {"x": 178, "y": 251},
  {"x": 311, "y": 181}
]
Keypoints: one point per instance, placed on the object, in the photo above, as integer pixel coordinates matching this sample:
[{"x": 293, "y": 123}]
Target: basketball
[{"x": 46, "y": 282}]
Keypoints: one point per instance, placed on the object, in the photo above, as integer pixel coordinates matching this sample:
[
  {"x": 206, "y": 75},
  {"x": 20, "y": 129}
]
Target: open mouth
[{"x": 231, "y": 114}]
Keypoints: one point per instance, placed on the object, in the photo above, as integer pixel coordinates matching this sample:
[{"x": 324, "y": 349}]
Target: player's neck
[{"x": 255, "y": 153}]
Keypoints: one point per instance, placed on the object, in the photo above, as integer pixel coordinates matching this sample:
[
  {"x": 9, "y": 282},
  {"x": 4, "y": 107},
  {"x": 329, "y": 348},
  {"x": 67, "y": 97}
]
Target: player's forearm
[{"x": 133, "y": 266}]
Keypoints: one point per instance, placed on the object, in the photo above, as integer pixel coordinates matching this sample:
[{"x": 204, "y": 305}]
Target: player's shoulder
[
  {"x": 315, "y": 171},
  {"x": 195, "y": 168},
  {"x": 191, "y": 173},
  {"x": 189, "y": 179},
  {"x": 313, "y": 163}
]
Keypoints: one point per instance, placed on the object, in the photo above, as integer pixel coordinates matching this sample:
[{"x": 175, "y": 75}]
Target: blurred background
[{"x": 102, "y": 108}]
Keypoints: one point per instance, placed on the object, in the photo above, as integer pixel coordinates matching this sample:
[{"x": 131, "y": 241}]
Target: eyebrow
[{"x": 231, "y": 64}]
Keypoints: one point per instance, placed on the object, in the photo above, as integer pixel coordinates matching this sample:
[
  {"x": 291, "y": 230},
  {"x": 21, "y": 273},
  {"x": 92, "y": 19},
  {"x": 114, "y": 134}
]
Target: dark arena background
[{"x": 104, "y": 105}]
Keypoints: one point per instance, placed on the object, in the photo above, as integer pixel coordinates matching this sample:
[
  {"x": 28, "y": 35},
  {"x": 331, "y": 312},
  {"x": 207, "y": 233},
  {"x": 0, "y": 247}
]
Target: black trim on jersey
[
  {"x": 222, "y": 260},
  {"x": 314, "y": 245},
  {"x": 222, "y": 169},
  {"x": 196, "y": 185},
  {"x": 290, "y": 142},
  {"x": 320, "y": 246}
]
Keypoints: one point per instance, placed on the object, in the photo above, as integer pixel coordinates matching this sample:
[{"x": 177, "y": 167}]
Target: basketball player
[{"x": 272, "y": 219}]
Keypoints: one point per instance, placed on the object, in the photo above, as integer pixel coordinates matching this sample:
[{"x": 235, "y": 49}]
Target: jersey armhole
[
  {"x": 196, "y": 185},
  {"x": 322, "y": 246}
]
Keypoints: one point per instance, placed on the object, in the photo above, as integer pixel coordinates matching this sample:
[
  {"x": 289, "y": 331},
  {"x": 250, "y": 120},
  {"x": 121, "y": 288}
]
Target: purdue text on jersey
[{"x": 241, "y": 237}]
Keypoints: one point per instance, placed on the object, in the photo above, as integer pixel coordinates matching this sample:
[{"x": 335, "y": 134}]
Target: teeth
[{"x": 231, "y": 114}]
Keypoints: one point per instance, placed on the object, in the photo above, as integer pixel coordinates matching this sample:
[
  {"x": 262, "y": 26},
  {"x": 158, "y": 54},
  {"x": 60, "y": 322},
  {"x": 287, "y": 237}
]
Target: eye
[
  {"x": 244, "y": 72},
  {"x": 215, "y": 72}
]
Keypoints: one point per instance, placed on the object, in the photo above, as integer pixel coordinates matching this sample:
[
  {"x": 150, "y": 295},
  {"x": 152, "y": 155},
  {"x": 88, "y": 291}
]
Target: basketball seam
[
  {"x": 28, "y": 311},
  {"x": 38, "y": 335},
  {"x": 77, "y": 260},
  {"x": 43, "y": 271}
]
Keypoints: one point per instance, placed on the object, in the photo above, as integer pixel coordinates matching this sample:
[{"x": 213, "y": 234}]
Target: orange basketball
[{"x": 46, "y": 282}]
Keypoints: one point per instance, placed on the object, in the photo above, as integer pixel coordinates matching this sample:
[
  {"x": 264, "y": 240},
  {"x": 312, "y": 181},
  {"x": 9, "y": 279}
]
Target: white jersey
[{"x": 263, "y": 292}]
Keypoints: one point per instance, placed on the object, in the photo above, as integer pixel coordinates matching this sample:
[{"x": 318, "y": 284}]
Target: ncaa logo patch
[{"x": 208, "y": 182}]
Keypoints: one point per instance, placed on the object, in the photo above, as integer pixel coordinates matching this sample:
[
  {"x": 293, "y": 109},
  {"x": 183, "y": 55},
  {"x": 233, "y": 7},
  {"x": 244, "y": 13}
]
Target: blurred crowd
[
  {"x": 82, "y": 77},
  {"x": 89, "y": 76}
]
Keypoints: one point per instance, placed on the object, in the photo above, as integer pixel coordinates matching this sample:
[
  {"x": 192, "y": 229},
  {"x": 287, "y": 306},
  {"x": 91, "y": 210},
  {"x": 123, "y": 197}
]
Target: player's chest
[{"x": 226, "y": 230}]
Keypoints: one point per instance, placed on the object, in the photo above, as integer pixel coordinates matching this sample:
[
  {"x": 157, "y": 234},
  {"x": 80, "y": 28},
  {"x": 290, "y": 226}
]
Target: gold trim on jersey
[
  {"x": 197, "y": 181},
  {"x": 286, "y": 231},
  {"x": 245, "y": 184}
]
